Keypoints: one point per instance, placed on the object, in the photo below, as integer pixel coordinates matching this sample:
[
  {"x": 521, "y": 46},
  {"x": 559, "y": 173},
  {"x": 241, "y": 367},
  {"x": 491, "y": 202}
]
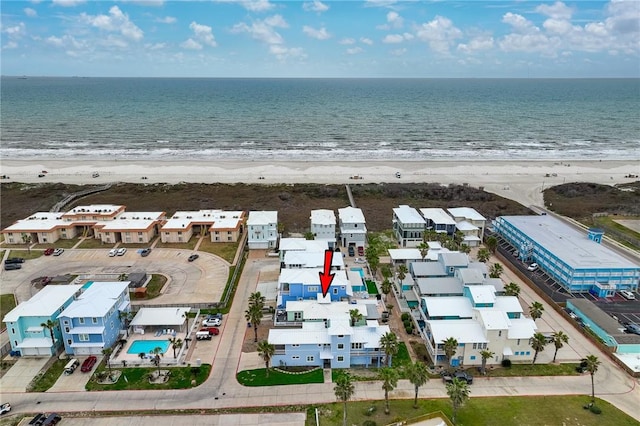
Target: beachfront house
[
  {"x": 221, "y": 226},
  {"x": 353, "y": 229},
  {"x": 304, "y": 284},
  {"x": 299, "y": 245},
  {"x": 130, "y": 227},
  {"x": 24, "y": 323},
  {"x": 310, "y": 259},
  {"x": 438, "y": 220},
  {"x": 408, "y": 226},
  {"x": 263, "y": 229},
  {"x": 325, "y": 336},
  {"x": 323, "y": 226},
  {"x": 93, "y": 321},
  {"x": 574, "y": 259},
  {"x": 39, "y": 228},
  {"x": 467, "y": 214}
]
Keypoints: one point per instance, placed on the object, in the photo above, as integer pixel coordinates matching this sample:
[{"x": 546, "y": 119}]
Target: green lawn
[
  {"x": 402, "y": 357},
  {"x": 371, "y": 287},
  {"x": 189, "y": 245},
  {"x": 258, "y": 377},
  {"x": 519, "y": 370},
  {"x": 227, "y": 251},
  {"x": 138, "y": 378},
  {"x": 49, "y": 378},
  {"x": 503, "y": 411},
  {"x": 25, "y": 254},
  {"x": 93, "y": 243},
  {"x": 65, "y": 244},
  {"x": 7, "y": 303},
  {"x": 155, "y": 286}
]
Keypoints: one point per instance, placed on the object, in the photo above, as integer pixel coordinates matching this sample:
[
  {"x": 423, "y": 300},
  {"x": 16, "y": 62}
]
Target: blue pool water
[
  {"x": 358, "y": 270},
  {"x": 146, "y": 346}
]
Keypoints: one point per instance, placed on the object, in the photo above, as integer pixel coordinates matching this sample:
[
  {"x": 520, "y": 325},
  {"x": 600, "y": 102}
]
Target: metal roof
[
  {"x": 407, "y": 215},
  {"x": 45, "y": 303}
]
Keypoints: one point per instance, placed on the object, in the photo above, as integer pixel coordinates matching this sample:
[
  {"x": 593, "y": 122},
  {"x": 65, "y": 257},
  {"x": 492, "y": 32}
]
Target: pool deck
[{"x": 166, "y": 357}]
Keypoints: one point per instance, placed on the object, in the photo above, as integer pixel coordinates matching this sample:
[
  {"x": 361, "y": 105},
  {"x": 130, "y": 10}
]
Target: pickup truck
[{"x": 448, "y": 377}]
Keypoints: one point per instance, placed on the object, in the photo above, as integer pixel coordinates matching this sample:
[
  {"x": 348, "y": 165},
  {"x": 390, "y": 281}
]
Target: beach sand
[{"x": 522, "y": 181}]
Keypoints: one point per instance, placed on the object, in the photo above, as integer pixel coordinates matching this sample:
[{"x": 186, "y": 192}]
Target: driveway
[{"x": 18, "y": 377}]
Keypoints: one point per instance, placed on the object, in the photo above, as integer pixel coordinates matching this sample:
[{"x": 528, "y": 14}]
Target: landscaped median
[
  {"x": 258, "y": 377},
  {"x": 139, "y": 379}
]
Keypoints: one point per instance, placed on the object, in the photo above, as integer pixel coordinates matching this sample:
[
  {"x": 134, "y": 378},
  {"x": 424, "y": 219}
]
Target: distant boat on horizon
[{"x": 24, "y": 77}]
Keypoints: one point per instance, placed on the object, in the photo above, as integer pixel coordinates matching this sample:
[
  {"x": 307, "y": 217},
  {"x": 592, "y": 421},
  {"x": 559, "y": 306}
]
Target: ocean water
[{"x": 319, "y": 119}]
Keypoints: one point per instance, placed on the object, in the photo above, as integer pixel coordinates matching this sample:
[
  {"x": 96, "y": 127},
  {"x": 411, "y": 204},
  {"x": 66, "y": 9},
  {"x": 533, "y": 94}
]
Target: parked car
[
  {"x": 5, "y": 408},
  {"x": 360, "y": 251},
  {"x": 627, "y": 294},
  {"x": 203, "y": 335},
  {"x": 352, "y": 251},
  {"x": 49, "y": 251},
  {"x": 58, "y": 252},
  {"x": 448, "y": 377},
  {"x": 211, "y": 322},
  {"x": 12, "y": 266},
  {"x": 38, "y": 419},
  {"x": 52, "y": 419},
  {"x": 633, "y": 328},
  {"x": 360, "y": 260},
  {"x": 516, "y": 253},
  {"x": 218, "y": 316},
  {"x": 88, "y": 364},
  {"x": 214, "y": 331},
  {"x": 193, "y": 257},
  {"x": 113, "y": 252},
  {"x": 14, "y": 260},
  {"x": 145, "y": 252},
  {"x": 532, "y": 267},
  {"x": 121, "y": 251}
]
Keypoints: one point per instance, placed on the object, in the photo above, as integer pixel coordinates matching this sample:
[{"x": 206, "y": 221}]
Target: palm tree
[
  {"x": 485, "y": 354},
  {"x": 492, "y": 244},
  {"x": 389, "y": 345},
  {"x": 592, "y": 367},
  {"x": 402, "y": 272},
  {"x": 424, "y": 249},
  {"x": 538, "y": 342},
  {"x": 256, "y": 299},
  {"x": 125, "y": 317},
  {"x": 355, "y": 316},
  {"x": 254, "y": 316},
  {"x": 389, "y": 378},
  {"x": 385, "y": 287},
  {"x": 535, "y": 310},
  {"x": 559, "y": 339},
  {"x": 450, "y": 346},
  {"x": 458, "y": 391},
  {"x": 373, "y": 259},
  {"x": 157, "y": 352},
  {"x": 465, "y": 248},
  {"x": 344, "y": 390},
  {"x": 266, "y": 351},
  {"x": 496, "y": 270},
  {"x": 107, "y": 357},
  {"x": 185, "y": 315},
  {"x": 512, "y": 289},
  {"x": 26, "y": 238},
  {"x": 418, "y": 375},
  {"x": 175, "y": 344},
  {"x": 51, "y": 325},
  {"x": 483, "y": 254}
]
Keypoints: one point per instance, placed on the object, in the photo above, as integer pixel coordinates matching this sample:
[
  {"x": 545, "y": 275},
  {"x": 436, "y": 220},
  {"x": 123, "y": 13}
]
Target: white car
[
  {"x": 5, "y": 408},
  {"x": 113, "y": 252},
  {"x": 211, "y": 322},
  {"x": 58, "y": 252},
  {"x": 532, "y": 267},
  {"x": 627, "y": 294},
  {"x": 121, "y": 251}
]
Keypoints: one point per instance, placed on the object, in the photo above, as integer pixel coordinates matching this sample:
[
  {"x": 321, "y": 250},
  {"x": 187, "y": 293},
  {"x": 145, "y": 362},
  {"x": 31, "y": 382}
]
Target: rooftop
[
  {"x": 160, "y": 316},
  {"x": 449, "y": 306},
  {"x": 406, "y": 215},
  {"x": 45, "y": 303},
  {"x": 262, "y": 217},
  {"x": 438, "y": 216},
  {"x": 351, "y": 215},
  {"x": 464, "y": 331},
  {"x": 97, "y": 300},
  {"x": 405, "y": 254},
  {"x": 323, "y": 217},
  {"x": 466, "y": 212},
  {"x": 302, "y": 244}
]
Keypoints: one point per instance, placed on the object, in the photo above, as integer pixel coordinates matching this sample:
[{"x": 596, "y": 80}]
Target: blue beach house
[{"x": 304, "y": 284}]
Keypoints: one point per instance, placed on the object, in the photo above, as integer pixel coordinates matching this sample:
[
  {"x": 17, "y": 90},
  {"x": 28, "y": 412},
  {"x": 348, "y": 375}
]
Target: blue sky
[{"x": 376, "y": 38}]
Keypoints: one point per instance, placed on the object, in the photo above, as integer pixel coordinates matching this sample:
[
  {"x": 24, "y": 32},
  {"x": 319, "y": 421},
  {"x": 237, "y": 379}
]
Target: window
[
  {"x": 475, "y": 346},
  {"x": 80, "y": 320},
  {"x": 13, "y": 330},
  {"x": 310, "y": 358},
  {"x": 295, "y": 357},
  {"x": 340, "y": 359},
  {"x": 313, "y": 289},
  {"x": 472, "y": 357},
  {"x": 528, "y": 353},
  {"x": 356, "y": 345},
  {"x": 68, "y": 341},
  {"x": 66, "y": 329},
  {"x": 335, "y": 291},
  {"x": 340, "y": 336},
  {"x": 295, "y": 345},
  {"x": 139, "y": 233},
  {"x": 65, "y": 322},
  {"x": 518, "y": 343},
  {"x": 112, "y": 325},
  {"x": 500, "y": 333},
  {"x": 94, "y": 320},
  {"x": 83, "y": 337},
  {"x": 340, "y": 346}
]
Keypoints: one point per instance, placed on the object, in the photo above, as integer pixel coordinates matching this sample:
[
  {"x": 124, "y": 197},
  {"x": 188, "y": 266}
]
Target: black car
[
  {"x": 12, "y": 266},
  {"x": 193, "y": 257},
  {"x": 217, "y": 316},
  {"x": 448, "y": 377},
  {"x": 14, "y": 260},
  {"x": 145, "y": 252},
  {"x": 52, "y": 419}
]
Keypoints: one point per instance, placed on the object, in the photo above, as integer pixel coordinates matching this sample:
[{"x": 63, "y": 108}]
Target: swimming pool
[
  {"x": 358, "y": 270},
  {"x": 146, "y": 346}
]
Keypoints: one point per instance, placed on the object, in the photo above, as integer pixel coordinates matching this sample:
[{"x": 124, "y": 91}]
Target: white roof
[
  {"x": 439, "y": 285},
  {"x": 470, "y": 275},
  {"x": 310, "y": 276},
  {"x": 302, "y": 244},
  {"x": 95, "y": 208},
  {"x": 508, "y": 304},
  {"x": 482, "y": 293},
  {"x": 406, "y": 214},
  {"x": 466, "y": 226},
  {"x": 311, "y": 259},
  {"x": 437, "y": 215},
  {"x": 339, "y": 327},
  {"x": 132, "y": 221},
  {"x": 454, "y": 258},
  {"x": 370, "y": 334},
  {"x": 97, "y": 300},
  {"x": 262, "y": 217},
  {"x": 45, "y": 303},
  {"x": 310, "y": 333},
  {"x": 449, "y": 306},
  {"x": 493, "y": 319},
  {"x": 464, "y": 331},
  {"x": 217, "y": 219},
  {"x": 323, "y": 217},
  {"x": 427, "y": 269},
  {"x": 521, "y": 328},
  {"x": 312, "y": 310},
  {"x": 405, "y": 254},
  {"x": 466, "y": 212},
  {"x": 41, "y": 221},
  {"x": 351, "y": 215},
  {"x": 160, "y": 316},
  {"x": 35, "y": 342}
]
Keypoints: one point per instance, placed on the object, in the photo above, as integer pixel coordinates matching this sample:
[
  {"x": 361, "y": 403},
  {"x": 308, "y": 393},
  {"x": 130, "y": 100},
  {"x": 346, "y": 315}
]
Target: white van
[
  {"x": 203, "y": 335},
  {"x": 71, "y": 366}
]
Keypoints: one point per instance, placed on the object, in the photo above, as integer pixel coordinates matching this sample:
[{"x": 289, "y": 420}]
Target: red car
[
  {"x": 49, "y": 251},
  {"x": 360, "y": 251},
  {"x": 214, "y": 331},
  {"x": 88, "y": 364}
]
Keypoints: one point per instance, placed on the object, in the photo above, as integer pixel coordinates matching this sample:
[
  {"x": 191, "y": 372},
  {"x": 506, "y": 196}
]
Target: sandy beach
[{"x": 519, "y": 180}]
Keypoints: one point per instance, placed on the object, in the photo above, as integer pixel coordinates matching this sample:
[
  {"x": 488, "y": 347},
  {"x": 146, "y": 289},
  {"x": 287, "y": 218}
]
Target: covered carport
[{"x": 158, "y": 319}]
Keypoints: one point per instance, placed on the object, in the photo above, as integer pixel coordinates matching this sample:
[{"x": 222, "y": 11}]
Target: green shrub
[
  {"x": 506, "y": 363},
  {"x": 370, "y": 410},
  {"x": 595, "y": 409},
  {"x": 369, "y": 423},
  {"x": 406, "y": 323},
  {"x": 404, "y": 317}
]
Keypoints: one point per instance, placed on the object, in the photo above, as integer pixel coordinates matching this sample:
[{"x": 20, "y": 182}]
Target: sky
[{"x": 375, "y": 38}]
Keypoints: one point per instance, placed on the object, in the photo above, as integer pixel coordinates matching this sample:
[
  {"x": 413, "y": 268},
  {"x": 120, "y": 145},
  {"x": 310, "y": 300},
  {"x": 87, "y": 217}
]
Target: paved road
[{"x": 221, "y": 389}]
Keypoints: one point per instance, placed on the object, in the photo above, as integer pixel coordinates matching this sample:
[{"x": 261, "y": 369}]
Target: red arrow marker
[{"x": 325, "y": 276}]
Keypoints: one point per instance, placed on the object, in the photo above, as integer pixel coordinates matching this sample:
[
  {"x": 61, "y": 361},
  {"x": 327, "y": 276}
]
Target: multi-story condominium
[
  {"x": 222, "y": 226},
  {"x": 353, "y": 229},
  {"x": 130, "y": 227},
  {"x": 93, "y": 321},
  {"x": 300, "y": 245},
  {"x": 327, "y": 337},
  {"x": 408, "y": 226},
  {"x": 461, "y": 214},
  {"x": 470, "y": 233},
  {"x": 24, "y": 323},
  {"x": 438, "y": 220},
  {"x": 263, "y": 229},
  {"x": 304, "y": 284},
  {"x": 323, "y": 226},
  {"x": 575, "y": 259}
]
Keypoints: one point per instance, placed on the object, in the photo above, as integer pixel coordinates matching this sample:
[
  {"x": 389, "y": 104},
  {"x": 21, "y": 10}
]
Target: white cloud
[
  {"x": 558, "y": 10},
  {"x": 10, "y": 45},
  {"x": 394, "y": 19},
  {"x": 30, "y": 12},
  {"x": 16, "y": 31},
  {"x": 354, "y": 50},
  {"x": 203, "y": 34},
  {"x": 191, "y": 44},
  {"x": 153, "y": 3},
  {"x": 320, "y": 34},
  {"x": 167, "y": 20},
  {"x": 67, "y": 3},
  {"x": 276, "y": 21},
  {"x": 257, "y": 5},
  {"x": 397, "y": 38},
  {"x": 315, "y": 6},
  {"x": 479, "y": 43},
  {"x": 440, "y": 34},
  {"x": 347, "y": 41},
  {"x": 399, "y": 52},
  {"x": 365, "y": 40},
  {"x": 624, "y": 17},
  {"x": 283, "y": 53},
  {"x": 116, "y": 21},
  {"x": 155, "y": 46},
  {"x": 65, "y": 42},
  {"x": 379, "y": 3},
  {"x": 519, "y": 23},
  {"x": 263, "y": 30}
]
